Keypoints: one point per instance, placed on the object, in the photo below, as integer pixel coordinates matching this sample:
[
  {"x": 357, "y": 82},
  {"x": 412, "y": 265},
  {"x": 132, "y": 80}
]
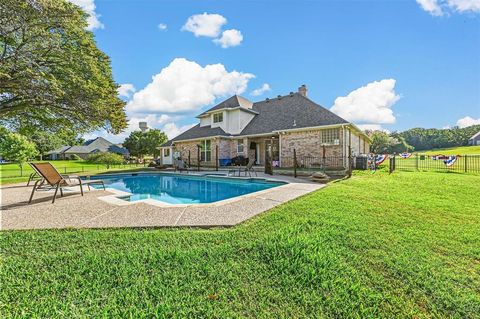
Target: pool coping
[
  {"x": 115, "y": 199},
  {"x": 96, "y": 210}
]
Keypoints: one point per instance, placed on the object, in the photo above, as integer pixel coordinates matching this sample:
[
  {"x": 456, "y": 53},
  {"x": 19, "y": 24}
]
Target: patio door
[{"x": 273, "y": 143}]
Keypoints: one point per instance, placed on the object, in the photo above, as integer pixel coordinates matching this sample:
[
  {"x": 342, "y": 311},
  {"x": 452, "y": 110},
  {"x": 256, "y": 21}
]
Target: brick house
[{"x": 240, "y": 127}]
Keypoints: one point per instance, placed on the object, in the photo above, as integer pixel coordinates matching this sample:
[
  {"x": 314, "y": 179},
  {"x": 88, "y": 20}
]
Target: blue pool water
[{"x": 182, "y": 189}]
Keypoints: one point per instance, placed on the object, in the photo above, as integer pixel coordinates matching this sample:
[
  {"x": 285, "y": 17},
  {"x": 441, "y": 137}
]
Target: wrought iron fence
[{"x": 467, "y": 163}]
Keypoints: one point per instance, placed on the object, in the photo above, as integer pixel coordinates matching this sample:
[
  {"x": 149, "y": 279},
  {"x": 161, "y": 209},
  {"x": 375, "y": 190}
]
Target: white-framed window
[
  {"x": 330, "y": 136},
  {"x": 206, "y": 151},
  {"x": 218, "y": 117},
  {"x": 166, "y": 152},
  {"x": 239, "y": 146}
]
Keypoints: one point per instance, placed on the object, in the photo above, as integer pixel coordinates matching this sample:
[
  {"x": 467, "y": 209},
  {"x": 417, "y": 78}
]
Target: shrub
[{"x": 106, "y": 158}]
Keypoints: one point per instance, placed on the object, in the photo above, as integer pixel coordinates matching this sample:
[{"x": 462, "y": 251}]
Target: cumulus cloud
[
  {"x": 125, "y": 90},
  {"x": 370, "y": 127},
  {"x": 172, "y": 130},
  {"x": 93, "y": 18},
  {"x": 162, "y": 27},
  {"x": 264, "y": 88},
  {"x": 206, "y": 24},
  {"x": 467, "y": 121},
  {"x": 441, "y": 7},
  {"x": 185, "y": 86},
  {"x": 229, "y": 38},
  {"x": 370, "y": 104}
]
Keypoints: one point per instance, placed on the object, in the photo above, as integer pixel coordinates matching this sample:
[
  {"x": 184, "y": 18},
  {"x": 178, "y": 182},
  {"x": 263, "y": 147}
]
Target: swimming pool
[{"x": 182, "y": 189}]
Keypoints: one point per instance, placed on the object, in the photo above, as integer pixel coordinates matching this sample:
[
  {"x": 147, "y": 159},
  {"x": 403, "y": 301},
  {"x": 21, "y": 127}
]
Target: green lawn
[
  {"x": 461, "y": 150},
  {"x": 11, "y": 173},
  {"x": 405, "y": 245}
]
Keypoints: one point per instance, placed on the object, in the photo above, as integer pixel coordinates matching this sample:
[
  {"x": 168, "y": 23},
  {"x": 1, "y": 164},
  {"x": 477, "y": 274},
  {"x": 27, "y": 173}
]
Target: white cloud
[
  {"x": 89, "y": 7},
  {"x": 172, "y": 130},
  {"x": 370, "y": 127},
  {"x": 370, "y": 104},
  {"x": 229, "y": 38},
  {"x": 441, "y": 7},
  {"x": 162, "y": 26},
  {"x": 467, "y": 121},
  {"x": 125, "y": 90},
  {"x": 264, "y": 88},
  {"x": 206, "y": 25},
  {"x": 185, "y": 86}
]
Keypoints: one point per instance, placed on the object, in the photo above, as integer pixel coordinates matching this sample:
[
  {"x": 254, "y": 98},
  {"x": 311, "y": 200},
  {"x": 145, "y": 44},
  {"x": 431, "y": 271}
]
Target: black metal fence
[{"x": 467, "y": 163}]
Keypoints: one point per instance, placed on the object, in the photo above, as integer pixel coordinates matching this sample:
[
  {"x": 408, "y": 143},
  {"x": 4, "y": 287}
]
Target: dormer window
[{"x": 218, "y": 117}]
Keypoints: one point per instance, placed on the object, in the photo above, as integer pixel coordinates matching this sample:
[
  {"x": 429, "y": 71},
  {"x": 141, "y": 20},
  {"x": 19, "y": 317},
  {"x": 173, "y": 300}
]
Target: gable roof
[
  {"x": 288, "y": 112},
  {"x": 230, "y": 103},
  {"x": 475, "y": 136},
  {"x": 59, "y": 150},
  {"x": 98, "y": 144}
]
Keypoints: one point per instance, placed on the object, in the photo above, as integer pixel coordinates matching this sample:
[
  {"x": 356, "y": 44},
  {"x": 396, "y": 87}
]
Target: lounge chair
[
  {"x": 51, "y": 177},
  {"x": 248, "y": 169},
  {"x": 180, "y": 165},
  {"x": 36, "y": 175}
]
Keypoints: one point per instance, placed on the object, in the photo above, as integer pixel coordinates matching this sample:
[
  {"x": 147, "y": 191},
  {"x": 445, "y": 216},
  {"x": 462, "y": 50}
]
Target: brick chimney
[{"x": 303, "y": 90}]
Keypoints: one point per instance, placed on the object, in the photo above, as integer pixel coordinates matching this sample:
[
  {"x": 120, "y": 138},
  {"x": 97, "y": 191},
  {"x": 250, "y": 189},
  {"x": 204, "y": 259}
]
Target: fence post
[
  {"x": 189, "y": 165},
  {"x": 21, "y": 169},
  {"x": 349, "y": 161},
  {"x": 416, "y": 161},
  {"x": 295, "y": 163},
  {"x": 323, "y": 156},
  {"x": 65, "y": 169},
  {"x": 198, "y": 158},
  {"x": 98, "y": 167},
  {"x": 216, "y": 157},
  {"x": 465, "y": 165},
  {"x": 392, "y": 164},
  {"x": 83, "y": 169}
]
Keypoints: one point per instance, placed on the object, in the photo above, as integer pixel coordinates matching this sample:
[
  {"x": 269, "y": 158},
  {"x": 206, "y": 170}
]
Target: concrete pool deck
[{"x": 98, "y": 209}]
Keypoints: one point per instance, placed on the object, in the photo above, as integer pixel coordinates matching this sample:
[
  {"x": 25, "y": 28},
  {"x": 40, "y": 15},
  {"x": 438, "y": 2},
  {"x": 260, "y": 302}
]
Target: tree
[
  {"x": 382, "y": 142},
  {"x": 46, "y": 142},
  {"x": 51, "y": 72},
  {"x": 17, "y": 148},
  {"x": 141, "y": 143},
  {"x": 106, "y": 158}
]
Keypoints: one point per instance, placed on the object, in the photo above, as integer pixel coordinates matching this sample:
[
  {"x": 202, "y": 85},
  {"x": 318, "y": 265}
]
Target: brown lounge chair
[
  {"x": 36, "y": 175},
  {"x": 53, "y": 178},
  {"x": 248, "y": 169}
]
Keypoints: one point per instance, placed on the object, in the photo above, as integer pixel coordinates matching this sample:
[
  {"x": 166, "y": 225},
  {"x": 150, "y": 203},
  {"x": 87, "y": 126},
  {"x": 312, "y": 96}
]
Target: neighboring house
[
  {"x": 96, "y": 145},
  {"x": 239, "y": 127},
  {"x": 475, "y": 139}
]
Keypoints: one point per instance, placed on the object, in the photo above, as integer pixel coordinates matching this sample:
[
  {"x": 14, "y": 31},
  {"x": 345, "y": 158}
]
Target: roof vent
[
  {"x": 279, "y": 97},
  {"x": 267, "y": 100},
  {"x": 294, "y": 123},
  {"x": 291, "y": 93}
]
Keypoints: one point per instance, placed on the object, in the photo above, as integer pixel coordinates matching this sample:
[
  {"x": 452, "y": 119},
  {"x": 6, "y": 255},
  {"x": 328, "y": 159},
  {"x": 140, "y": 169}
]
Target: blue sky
[{"x": 388, "y": 64}]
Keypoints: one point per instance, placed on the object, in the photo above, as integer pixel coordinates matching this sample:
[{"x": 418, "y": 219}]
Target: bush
[
  {"x": 106, "y": 158},
  {"x": 75, "y": 157}
]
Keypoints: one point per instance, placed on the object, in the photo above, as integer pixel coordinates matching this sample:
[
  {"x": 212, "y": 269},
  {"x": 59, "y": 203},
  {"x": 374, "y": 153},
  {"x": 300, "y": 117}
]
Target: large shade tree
[
  {"x": 51, "y": 72},
  {"x": 141, "y": 143}
]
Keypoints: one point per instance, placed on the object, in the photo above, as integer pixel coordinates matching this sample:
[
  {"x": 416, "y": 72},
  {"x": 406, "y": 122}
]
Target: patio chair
[
  {"x": 248, "y": 169},
  {"x": 54, "y": 179},
  {"x": 36, "y": 174}
]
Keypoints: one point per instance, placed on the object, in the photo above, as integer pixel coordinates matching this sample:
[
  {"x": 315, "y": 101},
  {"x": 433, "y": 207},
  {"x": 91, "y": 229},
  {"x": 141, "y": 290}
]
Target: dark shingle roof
[
  {"x": 200, "y": 131},
  {"x": 287, "y": 112},
  {"x": 167, "y": 143},
  {"x": 230, "y": 103},
  {"x": 282, "y": 113}
]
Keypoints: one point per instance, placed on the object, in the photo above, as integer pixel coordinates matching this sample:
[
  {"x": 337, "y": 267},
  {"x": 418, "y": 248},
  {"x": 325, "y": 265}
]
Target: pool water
[{"x": 182, "y": 189}]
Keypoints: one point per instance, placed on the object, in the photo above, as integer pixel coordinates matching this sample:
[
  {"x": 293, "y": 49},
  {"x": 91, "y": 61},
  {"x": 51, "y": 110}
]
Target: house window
[
  {"x": 206, "y": 151},
  {"x": 166, "y": 152},
  {"x": 217, "y": 117},
  {"x": 239, "y": 146},
  {"x": 330, "y": 137}
]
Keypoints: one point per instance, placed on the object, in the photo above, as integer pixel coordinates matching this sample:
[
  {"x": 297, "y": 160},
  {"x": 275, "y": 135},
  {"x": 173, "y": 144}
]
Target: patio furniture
[
  {"x": 54, "y": 179},
  {"x": 36, "y": 174},
  {"x": 248, "y": 169}
]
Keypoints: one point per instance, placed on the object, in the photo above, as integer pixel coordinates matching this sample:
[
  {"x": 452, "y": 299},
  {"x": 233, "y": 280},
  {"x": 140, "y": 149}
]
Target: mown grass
[
  {"x": 11, "y": 173},
  {"x": 461, "y": 150},
  {"x": 405, "y": 245}
]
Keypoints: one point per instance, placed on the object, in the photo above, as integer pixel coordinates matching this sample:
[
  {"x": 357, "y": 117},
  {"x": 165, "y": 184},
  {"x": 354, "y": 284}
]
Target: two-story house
[{"x": 238, "y": 126}]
